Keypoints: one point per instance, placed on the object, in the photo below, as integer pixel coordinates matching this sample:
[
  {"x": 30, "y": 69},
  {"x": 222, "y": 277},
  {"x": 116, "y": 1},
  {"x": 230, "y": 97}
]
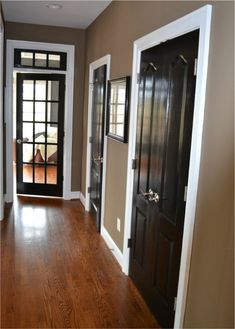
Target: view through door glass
[{"x": 40, "y": 133}]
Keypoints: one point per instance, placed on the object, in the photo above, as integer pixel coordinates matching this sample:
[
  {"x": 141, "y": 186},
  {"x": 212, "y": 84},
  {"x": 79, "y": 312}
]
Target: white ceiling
[{"x": 77, "y": 14}]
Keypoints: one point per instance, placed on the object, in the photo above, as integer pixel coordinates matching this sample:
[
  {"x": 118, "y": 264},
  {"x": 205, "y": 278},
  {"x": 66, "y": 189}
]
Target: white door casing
[
  {"x": 199, "y": 19},
  {"x": 68, "y": 121}
]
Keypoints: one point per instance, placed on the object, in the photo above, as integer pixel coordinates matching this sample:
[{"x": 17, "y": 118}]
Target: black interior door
[
  {"x": 40, "y": 133},
  {"x": 165, "y": 113},
  {"x": 97, "y": 140}
]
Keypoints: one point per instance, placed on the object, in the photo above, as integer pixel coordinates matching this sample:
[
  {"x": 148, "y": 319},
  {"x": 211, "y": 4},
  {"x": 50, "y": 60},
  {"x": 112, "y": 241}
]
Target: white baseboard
[
  {"x": 112, "y": 246},
  {"x": 82, "y": 199},
  {"x": 74, "y": 195}
]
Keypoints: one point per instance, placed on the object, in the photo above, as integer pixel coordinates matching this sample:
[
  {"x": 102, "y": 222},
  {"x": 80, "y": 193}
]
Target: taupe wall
[
  {"x": 1, "y": 111},
  {"x": 42, "y": 33},
  {"x": 210, "y": 294}
]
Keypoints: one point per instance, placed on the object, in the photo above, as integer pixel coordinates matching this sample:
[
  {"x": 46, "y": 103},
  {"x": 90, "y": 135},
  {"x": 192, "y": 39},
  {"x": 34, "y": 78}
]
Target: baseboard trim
[
  {"x": 82, "y": 199},
  {"x": 74, "y": 195},
  {"x": 112, "y": 246}
]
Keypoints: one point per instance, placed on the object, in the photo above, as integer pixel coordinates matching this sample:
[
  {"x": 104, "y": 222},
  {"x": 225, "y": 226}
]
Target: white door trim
[
  {"x": 68, "y": 122},
  {"x": 199, "y": 19},
  {"x": 106, "y": 60},
  {"x": 1, "y": 116}
]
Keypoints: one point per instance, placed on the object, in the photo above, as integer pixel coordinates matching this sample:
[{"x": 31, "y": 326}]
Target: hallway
[{"x": 57, "y": 272}]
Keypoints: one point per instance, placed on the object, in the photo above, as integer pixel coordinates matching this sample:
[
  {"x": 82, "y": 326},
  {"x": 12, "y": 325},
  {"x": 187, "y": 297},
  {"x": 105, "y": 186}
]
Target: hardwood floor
[{"x": 57, "y": 272}]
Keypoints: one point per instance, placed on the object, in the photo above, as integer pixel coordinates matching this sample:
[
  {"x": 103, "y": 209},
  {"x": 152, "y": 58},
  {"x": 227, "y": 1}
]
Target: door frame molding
[
  {"x": 198, "y": 19},
  {"x": 68, "y": 108},
  {"x": 105, "y": 60},
  {"x": 1, "y": 115}
]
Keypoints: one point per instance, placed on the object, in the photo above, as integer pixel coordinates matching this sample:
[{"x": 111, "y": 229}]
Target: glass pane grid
[
  {"x": 40, "y": 130},
  {"x": 40, "y": 59}
]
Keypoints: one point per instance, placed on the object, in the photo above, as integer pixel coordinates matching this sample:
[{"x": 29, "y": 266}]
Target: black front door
[
  {"x": 40, "y": 133},
  {"x": 97, "y": 141},
  {"x": 165, "y": 114}
]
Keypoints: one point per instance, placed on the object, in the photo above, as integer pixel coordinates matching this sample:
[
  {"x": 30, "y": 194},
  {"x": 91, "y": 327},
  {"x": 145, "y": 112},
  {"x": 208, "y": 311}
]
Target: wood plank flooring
[{"x": 57, "y": 272}]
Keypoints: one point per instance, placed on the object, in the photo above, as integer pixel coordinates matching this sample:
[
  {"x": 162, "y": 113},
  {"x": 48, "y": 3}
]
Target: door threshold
[{"x": 38, "y": 196}]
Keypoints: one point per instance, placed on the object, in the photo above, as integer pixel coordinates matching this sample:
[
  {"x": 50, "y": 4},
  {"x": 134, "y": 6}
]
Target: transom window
[{"x": 40, "y": 59}]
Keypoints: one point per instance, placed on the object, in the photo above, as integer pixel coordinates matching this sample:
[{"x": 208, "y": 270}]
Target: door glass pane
[
  {"x": 40, "y": 132},
  {"x": 39, "y": 174},
  {"x": 40, "y": 111},
  {"x": 27, "y": 152},
  {"x": 27, "y": 111},
  {"x": 28, "y": 89},
  {"x": 51, "y": 153},
  {"x": 52, "y": 112},
  {"x": 39, "y": 153},
  {"x": 27, "y": 58},
  {"x": 52, "y": 133},
  {"x": 54, "y": 61},
  {"x": 53, "y": 91},
  {"x": 27, "y": 173},
  {"x": 40, "y": 59},
  {"x": 51, "y": 175},
  {"x": 40, "y": 90},
  {"x": 28, "y": 132}
]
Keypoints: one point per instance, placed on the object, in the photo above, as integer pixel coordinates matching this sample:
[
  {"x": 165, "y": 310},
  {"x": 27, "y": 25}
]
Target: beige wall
[
  {"x": 210, "y": 294},
  {"x": 1, "y": 112},
  {"x": 42, "y": 33}
]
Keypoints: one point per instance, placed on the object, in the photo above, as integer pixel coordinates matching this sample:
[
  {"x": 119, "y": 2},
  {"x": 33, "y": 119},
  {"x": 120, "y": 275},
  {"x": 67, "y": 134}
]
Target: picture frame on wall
[{"x": 118, "y": 109}]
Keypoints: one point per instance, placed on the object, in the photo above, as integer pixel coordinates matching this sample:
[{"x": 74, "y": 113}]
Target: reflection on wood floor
[{"x": 57, "y": 271}]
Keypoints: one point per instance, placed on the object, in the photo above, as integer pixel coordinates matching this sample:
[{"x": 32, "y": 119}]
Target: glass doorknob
[{"x": 20, "y": 141}]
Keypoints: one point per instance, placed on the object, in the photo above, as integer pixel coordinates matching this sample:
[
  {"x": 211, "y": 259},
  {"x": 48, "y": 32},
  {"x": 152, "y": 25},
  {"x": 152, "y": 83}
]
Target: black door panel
[
  {"x": 164, "y": 126},
  {"x": 97, "y": 141}
]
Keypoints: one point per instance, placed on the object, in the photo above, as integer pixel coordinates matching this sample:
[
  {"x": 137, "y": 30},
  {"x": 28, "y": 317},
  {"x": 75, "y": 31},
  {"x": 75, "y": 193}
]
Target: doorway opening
[
  {"x": 38, "y": 133},
  {"x": 38, "y": 59},
  {"x": 99, "y": 72}
]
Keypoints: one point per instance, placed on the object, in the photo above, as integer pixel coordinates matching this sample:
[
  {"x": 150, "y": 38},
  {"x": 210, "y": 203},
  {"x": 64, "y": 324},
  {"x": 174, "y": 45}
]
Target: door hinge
[
  {"x": 129, "y": 243},
  {"x": 90, "y": 139},
  {"x": 175, "y": 303},
  {"x": 134, "y": 164},
  {"x": 185, "y": 193},
  {"x": 89, "y": 189},
  {"x": 195, "y": 67},
  {"x": 64, "y": 134},
  {"x": 138, "y": 78}
]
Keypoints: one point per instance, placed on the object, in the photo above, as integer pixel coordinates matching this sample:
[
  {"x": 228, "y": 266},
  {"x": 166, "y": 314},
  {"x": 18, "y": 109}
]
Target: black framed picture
[{"x": 118, "y": 108}]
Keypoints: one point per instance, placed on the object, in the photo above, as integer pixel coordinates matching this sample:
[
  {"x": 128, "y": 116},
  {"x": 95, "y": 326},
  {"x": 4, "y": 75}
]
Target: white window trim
[
  {"x": 1, "y": 116},
  {"x": 106, "y": 60},
  {"x": 199, "y": 19},
  {"x": 68, "y": 121}
]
